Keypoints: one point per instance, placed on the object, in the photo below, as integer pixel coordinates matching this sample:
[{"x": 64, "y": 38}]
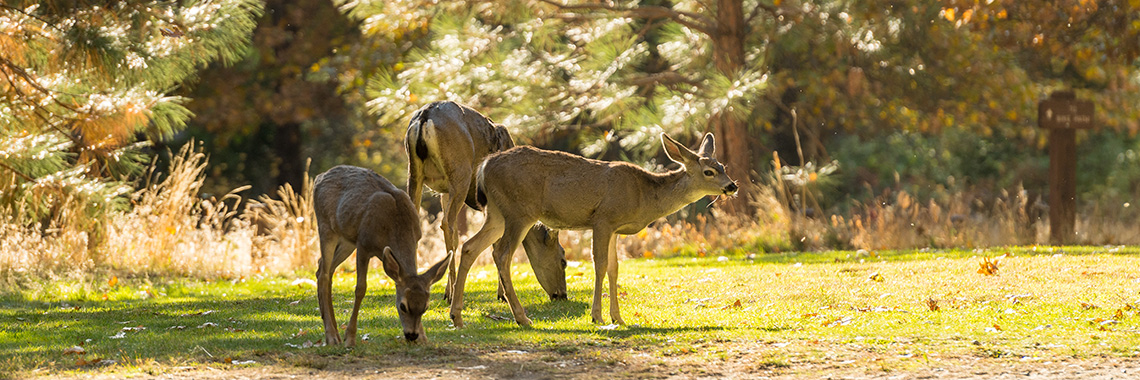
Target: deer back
[
  {"x": 356, "y": 203},
  {"x": 450, "y": 132},
  {"x": 567, "y": 191}
]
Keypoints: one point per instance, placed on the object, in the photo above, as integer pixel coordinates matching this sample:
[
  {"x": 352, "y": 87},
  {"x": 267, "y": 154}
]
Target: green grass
[{"x": 1043, "y": 302}]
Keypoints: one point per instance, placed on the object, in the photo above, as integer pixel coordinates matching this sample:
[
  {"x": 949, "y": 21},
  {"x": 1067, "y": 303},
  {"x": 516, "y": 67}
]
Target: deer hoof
[{"x": 524, "y": 321}]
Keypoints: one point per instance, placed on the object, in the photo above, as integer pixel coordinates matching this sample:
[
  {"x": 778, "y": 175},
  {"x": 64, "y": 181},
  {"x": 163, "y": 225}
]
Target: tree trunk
[
  {"x": 731, "y": 132},
  {"x": 287, "y": 148}
]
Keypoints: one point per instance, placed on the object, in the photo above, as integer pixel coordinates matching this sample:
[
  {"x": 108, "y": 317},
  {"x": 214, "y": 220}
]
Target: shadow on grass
[{"x": 208, "y": 327}]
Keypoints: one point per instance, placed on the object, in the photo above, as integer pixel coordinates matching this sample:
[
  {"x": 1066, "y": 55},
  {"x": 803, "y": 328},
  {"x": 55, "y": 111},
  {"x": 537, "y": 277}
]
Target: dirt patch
[{"x": 724, "y": 360}]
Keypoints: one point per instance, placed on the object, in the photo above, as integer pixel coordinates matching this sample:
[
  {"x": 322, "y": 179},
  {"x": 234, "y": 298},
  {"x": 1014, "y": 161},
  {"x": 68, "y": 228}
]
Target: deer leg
[
  {"x": 361, "y": 289},
  {"x": 446, "y": 225},
  {"x": 504, "y": 251},
  {"x": 325, "y": 268},
  {"x": 499, "y": 294},
  {"x": 492, "y": 230},
  {"x": 601, "y": 245},
  {"x": 612, "y": 273},
  {"x": 415, "y": 181}
]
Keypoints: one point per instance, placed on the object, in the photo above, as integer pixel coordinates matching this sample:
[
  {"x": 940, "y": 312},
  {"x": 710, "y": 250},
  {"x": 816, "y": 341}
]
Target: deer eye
[
  {"x": 403, "y": 308},
  {"x": 709, "y": 173},
  {"x": 563, "y": 263}
]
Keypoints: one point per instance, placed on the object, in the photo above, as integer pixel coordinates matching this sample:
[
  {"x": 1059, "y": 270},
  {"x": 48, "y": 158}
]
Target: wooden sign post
[{"x": 1062, "y": 114}]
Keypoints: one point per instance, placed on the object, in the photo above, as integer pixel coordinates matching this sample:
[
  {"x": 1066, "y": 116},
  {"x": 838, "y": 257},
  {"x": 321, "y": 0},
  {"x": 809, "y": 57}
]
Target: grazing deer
[
  {"x": 358, "y": 209},
  {"x": 565, "y": 191},
  {"x": 445, "y": 143}
]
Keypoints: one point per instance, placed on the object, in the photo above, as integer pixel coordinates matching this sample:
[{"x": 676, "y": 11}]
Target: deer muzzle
[
  {"x": 411, "y": 336},
  {"x": 730, "y": 189},
  {"x": 558, "y": 296}
]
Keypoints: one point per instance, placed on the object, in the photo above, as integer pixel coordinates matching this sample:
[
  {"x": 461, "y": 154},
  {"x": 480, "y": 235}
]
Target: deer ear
[
  {"x": 708, "y": 146},
  {"x": 392, "y": 267},
  {"x": 676, "y": 151},
  {"x": 436, "y": 272},
  {"x": 503, "y": 139}
]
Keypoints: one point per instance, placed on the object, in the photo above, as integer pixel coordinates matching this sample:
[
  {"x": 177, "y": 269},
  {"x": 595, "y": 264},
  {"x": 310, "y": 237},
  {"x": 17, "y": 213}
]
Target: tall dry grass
[{"x": 172, "y": 230}]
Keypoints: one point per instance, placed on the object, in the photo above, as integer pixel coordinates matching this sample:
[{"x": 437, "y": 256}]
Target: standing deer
[
  {"x": 358, "y": 209},
  {"x": 564, "y": 191},
  {"x": 445, "y": 143}
]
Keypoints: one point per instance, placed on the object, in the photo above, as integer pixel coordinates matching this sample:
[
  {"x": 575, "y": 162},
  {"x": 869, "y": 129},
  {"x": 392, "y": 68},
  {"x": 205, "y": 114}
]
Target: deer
[
  {"x": 445, "y": 143},
  {"x": 359, "y": 210},
  {"x": 522, "y": 185}
]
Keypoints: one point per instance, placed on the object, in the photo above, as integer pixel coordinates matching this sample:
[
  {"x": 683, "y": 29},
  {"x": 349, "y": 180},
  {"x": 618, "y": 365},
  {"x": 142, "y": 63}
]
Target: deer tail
[
  {"x": 416, "y": 140},
  {"x": 480, "y": 188}
]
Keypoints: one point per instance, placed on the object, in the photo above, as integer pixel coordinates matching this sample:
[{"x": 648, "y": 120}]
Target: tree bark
[
  {"x": 287, "y": 148},
  {"x": 732, "y": 133}
]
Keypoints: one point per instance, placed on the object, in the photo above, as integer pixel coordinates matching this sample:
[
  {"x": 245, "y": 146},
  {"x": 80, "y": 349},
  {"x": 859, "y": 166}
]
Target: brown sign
[{"x": 1063, "y": 111}]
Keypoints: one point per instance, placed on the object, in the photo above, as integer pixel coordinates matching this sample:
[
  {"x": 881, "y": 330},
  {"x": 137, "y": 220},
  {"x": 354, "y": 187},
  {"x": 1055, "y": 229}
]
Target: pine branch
[
  {"x": 756, "y": 12},
  {"x": 664, "y": 78},
  {"x": 649, "y": 12},
  {"x": 17, "y": 172}
]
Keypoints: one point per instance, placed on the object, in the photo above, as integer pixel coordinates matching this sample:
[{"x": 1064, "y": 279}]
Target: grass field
[{"x": 768, "y": 314}]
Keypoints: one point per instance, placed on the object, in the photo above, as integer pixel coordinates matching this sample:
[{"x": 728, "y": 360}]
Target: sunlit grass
[{"x": 1055, "y": 302}]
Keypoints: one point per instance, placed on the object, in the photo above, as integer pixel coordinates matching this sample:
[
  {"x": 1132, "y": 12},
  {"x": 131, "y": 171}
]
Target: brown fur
[
  {"x": 525, "y": 184},
  {"x": 358, "y": 209},
  {"x": 445, "y": 143}
]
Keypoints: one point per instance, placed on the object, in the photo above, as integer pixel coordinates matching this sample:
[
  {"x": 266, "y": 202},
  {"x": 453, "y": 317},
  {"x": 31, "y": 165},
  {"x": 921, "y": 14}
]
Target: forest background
[{"x": 855, "y": 125}]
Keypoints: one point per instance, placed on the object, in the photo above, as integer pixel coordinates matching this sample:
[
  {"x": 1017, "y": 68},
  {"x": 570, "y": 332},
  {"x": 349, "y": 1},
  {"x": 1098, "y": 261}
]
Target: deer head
[
  {"x": 707, "y": 174},
  {"x": 412, "y": 292},
  {"x": 548, "y": 259}
]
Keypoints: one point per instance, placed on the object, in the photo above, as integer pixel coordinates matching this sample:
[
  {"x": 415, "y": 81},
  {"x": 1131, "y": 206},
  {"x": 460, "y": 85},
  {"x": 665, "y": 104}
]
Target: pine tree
[{"x": 84, "y": 86}]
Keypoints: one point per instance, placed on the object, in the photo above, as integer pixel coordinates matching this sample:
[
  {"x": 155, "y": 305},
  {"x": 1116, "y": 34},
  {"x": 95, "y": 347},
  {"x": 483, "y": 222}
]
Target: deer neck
[{"x": 672, "y": 191}]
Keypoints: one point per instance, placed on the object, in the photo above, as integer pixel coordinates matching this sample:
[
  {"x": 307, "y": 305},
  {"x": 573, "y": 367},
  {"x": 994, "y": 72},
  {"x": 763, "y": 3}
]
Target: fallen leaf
[
  {"x": 82, "y": 363},
  {"x": 136, "y": 328},
  {"x": 304, "y": 281},
  {"x": 208, "y": 324},
  {"x": 876, "y": 277},
  {"x": 120, "y": 335},
  {"x": 74, "y": 350},
  {"x": 1088, "y": 306},
  {"x": 113, "y": 281},
  {"x": 496, "y": 317},
  {"x": 608, "y": 327},
  {"x": 207, "y": 312},
  {"x": 294, "y": 303},
  {"x": 932, "y": 304},
  {"x": 838, "y": 321},
  {"x": 988, "y": 267},
  {"x": 733, "y": 305},
  {"x": 1119, "y": 314},
  {"x": 996, "y": 327},
  {"x": 176, "y": 328}
]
